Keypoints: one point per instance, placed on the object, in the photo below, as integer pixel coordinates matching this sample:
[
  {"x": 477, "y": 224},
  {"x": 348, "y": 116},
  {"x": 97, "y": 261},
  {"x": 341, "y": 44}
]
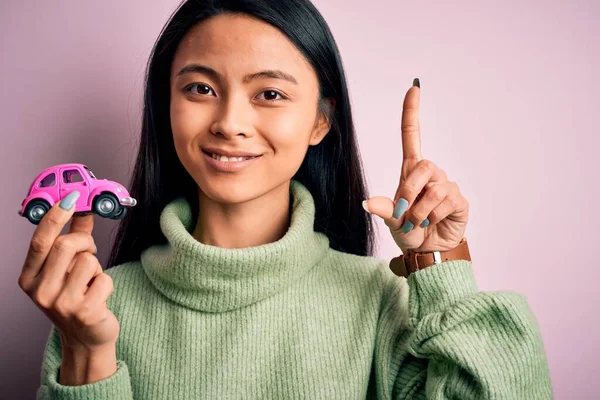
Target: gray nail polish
[
  {"x": 95, "y": 249},
  {"x": 401, "y": 206},
  {"x": 407, "y": 227},
  {"x": 417, "y": 83},
  {"x": 69, "y": 200},
  {"x": 425, "y": 223}
]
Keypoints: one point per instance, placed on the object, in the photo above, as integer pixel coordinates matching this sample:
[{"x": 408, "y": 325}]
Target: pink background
[{"x": 509, "y": 110}]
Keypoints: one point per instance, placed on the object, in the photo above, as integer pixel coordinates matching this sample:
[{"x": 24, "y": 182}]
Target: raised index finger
[
  {"x": 45, "y": 234},
  {"x": 411, "y": 130}
]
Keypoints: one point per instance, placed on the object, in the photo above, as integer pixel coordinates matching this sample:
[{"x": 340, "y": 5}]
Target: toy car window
[
  {"x": 89, "y": 171},
  {"x": 72, "y": 176},
  {"x": 49, "y": 180}
]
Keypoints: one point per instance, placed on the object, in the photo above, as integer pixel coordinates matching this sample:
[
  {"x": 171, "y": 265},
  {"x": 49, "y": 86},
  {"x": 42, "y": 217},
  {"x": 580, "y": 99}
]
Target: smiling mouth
[{"x": 228, "y": 159}]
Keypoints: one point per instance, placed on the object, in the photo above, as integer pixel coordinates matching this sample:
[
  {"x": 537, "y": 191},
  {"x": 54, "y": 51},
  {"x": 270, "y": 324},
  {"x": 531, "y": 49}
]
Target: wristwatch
[{"x": 406, "y": 264}]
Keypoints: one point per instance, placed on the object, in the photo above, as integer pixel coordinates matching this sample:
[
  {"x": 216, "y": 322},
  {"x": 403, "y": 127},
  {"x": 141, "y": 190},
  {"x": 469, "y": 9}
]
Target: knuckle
[
  {"x": 408, "y": 190},
  {"x": 23, "y": 283},
  {"x": 409, "y": 126},
  {"x": 436, "y": 193},
  {"x": 85, "y": 263},
  {"x": 42, "y": 299},
  {"x": 413, "y": 158},
  {"x": 63, "y": 307},
  {"x": 106, "y": 280},
  {"x": 39, "y": 244},
  {"x": 54, "y": 218},
  {"x": 62, "y": 243},
  {"x": 87, "y": 314},
  {"x": 418, "y": 215},
  {"x": 90, "y": 261},
  {"x": 454, "y": 186},
  {"x": 415, "y": 218},
  {"x": 86, "y": 258},
  {"x": 83, "y": 314},
  {"x": 426, "y": 165},
  {"x": 433, "y": 217},
  {"x": 452, "y": 202}
]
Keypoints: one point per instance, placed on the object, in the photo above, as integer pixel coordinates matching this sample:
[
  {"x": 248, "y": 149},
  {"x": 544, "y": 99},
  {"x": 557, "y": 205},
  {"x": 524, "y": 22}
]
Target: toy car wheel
[
  {"x": 121, "y": 214},
  {"x": 106, "y": 205},
  {"x": 36, "y": 210}
]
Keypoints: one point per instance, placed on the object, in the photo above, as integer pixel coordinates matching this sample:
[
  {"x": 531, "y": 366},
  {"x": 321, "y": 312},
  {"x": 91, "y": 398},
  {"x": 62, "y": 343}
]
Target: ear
[{"x": 323, "y": 122}]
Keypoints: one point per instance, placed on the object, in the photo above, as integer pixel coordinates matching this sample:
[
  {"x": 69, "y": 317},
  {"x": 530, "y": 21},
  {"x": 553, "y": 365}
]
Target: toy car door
[
  {"x": 73, "y": 178},
  {"x": 47, "y": 183}
]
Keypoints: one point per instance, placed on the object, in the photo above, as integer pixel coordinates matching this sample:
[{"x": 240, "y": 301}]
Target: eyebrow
[{"x": 270, "y": 73}]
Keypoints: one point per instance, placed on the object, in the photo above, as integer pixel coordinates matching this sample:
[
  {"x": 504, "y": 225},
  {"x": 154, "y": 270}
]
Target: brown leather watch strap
[{"x": 406, "y": 264}]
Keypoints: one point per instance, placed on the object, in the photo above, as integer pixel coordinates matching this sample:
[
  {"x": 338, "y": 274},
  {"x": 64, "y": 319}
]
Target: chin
[
  {"x": 226, "y": 190},
  {"x": 237, "y": 190}
]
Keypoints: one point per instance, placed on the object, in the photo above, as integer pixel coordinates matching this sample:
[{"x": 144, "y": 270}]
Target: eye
[
  {"x": 271, "y": 95},
  {"x": 200, "y": 85}
]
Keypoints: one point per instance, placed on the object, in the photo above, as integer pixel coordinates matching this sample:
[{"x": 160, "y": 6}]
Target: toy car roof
[
  {"x": 46, "y": 170},
  {"x": 61, "y": 166}
]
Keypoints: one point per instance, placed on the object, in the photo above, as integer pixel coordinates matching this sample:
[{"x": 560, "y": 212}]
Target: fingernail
[
  {"x": 417, "y": 83},
  {"x": 364, "y": 204},
  {"x": 407, "y": 227},
  {"x": 401, "y": 206},
  {"x": 69, "y": 200},
  {"x": 95, "y": 249},
  {"x": 424, "y": 223}
]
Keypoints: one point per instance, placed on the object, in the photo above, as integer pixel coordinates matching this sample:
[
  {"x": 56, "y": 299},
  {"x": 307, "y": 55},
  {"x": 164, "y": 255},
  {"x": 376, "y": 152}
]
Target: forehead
[{"x": 239, "y": 43}]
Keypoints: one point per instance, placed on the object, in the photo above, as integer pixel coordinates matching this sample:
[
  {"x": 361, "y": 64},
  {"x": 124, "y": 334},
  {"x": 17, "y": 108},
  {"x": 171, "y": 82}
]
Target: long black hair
[{"x": 332, "y": 170}]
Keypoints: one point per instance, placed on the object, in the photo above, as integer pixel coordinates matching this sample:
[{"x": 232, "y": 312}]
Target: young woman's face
[{"x": 247, "y": 89}]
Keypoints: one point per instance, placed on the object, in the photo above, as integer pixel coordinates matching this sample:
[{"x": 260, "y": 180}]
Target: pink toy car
[{"x": 106, "y": 198}]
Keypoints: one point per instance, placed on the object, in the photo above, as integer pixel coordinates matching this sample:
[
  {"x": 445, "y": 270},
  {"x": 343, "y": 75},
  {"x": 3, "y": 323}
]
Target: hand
[
  {"x": 424, "y": 195},
  {"x": 63, "y": 277}
]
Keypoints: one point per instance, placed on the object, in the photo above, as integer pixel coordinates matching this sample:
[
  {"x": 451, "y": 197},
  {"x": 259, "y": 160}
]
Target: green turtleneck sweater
[{"x": 295, "y": 319}]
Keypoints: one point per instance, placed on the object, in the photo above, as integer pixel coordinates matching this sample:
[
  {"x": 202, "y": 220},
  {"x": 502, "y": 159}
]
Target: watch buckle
[{"x": 412, "y": 265}]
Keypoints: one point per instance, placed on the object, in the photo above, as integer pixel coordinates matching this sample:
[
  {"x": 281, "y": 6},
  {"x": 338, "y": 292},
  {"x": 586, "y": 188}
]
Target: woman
[{"x": 253, "y": 277}]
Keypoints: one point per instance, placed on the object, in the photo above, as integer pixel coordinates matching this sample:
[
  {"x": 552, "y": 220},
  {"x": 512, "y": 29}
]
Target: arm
[
  {"x": 93, "y": 377},
  {"x": 439, "y": 338}
]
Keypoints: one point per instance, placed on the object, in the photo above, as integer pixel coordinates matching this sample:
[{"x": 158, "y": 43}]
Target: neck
[
  {"x": 259, "y": 221},
  {"x": 215, "y": 279}
]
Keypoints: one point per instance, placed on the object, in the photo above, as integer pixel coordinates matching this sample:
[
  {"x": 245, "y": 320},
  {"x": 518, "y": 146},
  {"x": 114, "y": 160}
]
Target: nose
[{"x": 233, "y": 118}]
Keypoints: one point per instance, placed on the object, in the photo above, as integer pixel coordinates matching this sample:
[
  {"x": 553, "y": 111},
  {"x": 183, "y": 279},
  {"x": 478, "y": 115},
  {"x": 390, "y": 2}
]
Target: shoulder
[
  {"x": 124, "y": 272},
  {"x": 373, "y": 271},
  {"x": 128, "y": 279}
]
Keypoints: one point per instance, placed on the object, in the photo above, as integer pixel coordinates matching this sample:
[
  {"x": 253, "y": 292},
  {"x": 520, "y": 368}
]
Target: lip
[
  {"x": 229, "y": 166},
  {"x": 226, "y": 153}
]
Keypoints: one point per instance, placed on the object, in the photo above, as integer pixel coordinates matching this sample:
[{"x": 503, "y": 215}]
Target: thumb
[{"x": 383, "y": 207}]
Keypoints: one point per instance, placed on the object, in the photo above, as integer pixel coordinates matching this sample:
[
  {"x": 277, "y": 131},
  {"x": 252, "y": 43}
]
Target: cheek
[
  {"x": 186, "y": 122},
  {"x": 287, "y": 132}
]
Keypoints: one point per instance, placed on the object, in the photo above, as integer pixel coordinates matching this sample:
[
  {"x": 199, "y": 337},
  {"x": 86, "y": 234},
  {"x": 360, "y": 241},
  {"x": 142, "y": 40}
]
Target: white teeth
[{"x": 229, "y": 159}]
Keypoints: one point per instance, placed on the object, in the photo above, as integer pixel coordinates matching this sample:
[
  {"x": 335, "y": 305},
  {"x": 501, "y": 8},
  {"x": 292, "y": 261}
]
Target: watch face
[{"x": 397, "y": 266}]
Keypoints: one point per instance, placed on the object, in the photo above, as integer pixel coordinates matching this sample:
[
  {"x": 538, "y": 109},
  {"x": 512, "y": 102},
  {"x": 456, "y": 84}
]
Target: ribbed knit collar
[{"x": 216, "y": 279}]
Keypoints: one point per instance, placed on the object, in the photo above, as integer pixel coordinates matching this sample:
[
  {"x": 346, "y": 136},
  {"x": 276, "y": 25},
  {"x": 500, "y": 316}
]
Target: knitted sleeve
[
  {"x": 117, "y": 386},
  {"x": 439, "y": 338}
]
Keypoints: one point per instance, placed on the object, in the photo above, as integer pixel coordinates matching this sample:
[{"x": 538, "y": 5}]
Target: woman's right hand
[{"x": 63, "y": 277}]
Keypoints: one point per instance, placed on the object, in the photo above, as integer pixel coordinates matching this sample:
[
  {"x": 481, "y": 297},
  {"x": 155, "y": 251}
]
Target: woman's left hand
[{"x": 428, "y": 212}]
